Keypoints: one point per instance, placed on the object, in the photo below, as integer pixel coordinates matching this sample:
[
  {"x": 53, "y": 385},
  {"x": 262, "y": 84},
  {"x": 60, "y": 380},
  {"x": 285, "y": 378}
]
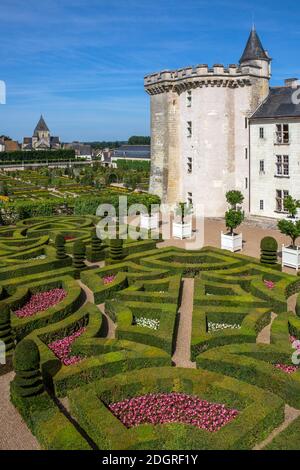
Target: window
[
  {"x": 246, "y": 183},
  {"x": 246, "y": 123},
  {"x": 262, "y": 166},
  {"x": 189, "y": 165},
  {"x": 190, "y": 199},
  {"x": 281, "y": 194},
  {"x": 261, "y": 133},
  {"x": 261, "y": 205},
  {"x": 189, "y": 98},
  {"x": 282, "y": 135},
  {"x": 282, "y": 165},
  {"x": 246, "y": 153},
  {"x": 189, "y": 129}
]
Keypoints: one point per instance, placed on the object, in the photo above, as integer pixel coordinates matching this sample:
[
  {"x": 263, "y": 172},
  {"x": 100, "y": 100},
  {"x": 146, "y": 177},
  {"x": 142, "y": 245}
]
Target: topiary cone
[{"x": 28, "y": 380}]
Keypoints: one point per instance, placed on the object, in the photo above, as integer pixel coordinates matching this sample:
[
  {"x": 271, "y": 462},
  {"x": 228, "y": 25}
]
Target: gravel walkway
[
  {"x": 14, "y": 434},
  {"x": 264, "y": 336},
  {"x": 182, "y": 355}
]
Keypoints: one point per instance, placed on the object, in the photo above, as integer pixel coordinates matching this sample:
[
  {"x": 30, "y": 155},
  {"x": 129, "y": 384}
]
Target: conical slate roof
[
  {"x": 41, "y": 126},
  {"x": 254, "y": 49}
]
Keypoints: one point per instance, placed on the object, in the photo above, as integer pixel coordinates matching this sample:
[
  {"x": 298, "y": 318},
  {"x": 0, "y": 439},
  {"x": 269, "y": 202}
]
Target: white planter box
[
  {"x": 290, "y": 257},
  {"x": 231, "y": 242},
  {"x": 182, "y": 230},
  {"x": 149, "y": 222}
]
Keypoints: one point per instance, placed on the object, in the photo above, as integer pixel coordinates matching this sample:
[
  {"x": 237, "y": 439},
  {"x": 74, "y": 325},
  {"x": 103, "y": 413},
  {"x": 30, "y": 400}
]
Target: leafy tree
[
  {"x": 182, "y": 210},
  {"x": 290, "y": 229},
  {"x": 234, "y": 198},
  {"x": 291, "y": 205},
  {"x": 139, "y": 140},
  {"x": 233, "y": 218}
]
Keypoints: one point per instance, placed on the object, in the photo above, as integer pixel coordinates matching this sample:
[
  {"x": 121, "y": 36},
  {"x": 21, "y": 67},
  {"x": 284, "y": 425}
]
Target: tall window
[
  {"x": 190, "y": 199},
  {"x": 189, "y": 129},
  {"x": 261, "y": 166},
  {"x": 189, "y": 165},
  {"x": 261, "y": 204},
  {"x": 189, "y": 98},
  {"x": 246, "y": 123},
  {"x": 246, "y": 153},
  {"x": 282, "y": 165},
  {"x": 282, "y": 135},
  {"x": 261, "y": 133},
  {"x": 281, "y": 194}
]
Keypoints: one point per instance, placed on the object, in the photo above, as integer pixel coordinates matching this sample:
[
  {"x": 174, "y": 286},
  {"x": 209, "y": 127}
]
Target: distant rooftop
[{"x": 279, "y": 104}]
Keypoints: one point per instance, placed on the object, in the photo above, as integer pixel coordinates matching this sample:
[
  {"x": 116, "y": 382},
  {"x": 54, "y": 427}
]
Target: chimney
[{"x": 291, "y": 82}]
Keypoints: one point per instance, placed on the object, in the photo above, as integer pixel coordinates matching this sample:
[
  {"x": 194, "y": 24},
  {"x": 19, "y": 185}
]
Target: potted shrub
[
  {"x": 291, "y": 253},
  {"x": 234, "y": 216},
  {"x": 292, "y": 205},
  {"x": 181, "y": 227}
]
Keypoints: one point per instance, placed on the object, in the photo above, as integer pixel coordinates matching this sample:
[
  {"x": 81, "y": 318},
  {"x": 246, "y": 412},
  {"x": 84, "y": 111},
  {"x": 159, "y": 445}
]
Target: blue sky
[{"x": 82, "y": 63}]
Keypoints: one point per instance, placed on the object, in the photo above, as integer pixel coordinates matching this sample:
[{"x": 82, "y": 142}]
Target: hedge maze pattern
[{"x": 234, "y": 296}]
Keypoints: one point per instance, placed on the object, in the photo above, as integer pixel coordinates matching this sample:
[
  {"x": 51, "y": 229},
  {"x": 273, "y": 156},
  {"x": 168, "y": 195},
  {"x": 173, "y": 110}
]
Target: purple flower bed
[
  {"x": 109, "y": 279},
  {"x": 40, "y": 302},
  {"x": 269, "y": 284},
  {"x": 172, "y": 407},
  {"x": 62, "y": 348}
]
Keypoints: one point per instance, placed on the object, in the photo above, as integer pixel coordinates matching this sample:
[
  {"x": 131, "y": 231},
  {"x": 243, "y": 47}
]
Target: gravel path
[
  {"x": 264, "y": 336},
  {"x": 182, "y": 355},
  {"x": 290, "y": 414},
  {"x": 14, "y": 434}
]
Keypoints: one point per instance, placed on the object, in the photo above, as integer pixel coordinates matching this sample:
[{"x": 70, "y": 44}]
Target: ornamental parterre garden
[{"x": 94, "y": 326}]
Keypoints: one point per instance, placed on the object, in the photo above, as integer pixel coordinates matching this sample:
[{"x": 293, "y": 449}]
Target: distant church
[
  {"x": 220, "y": 128},
  {"x": 41, "y": 139}
]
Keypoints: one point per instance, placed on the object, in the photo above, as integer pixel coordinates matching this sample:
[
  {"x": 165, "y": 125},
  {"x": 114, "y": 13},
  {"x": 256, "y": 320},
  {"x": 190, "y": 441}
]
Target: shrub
[
  {"x": 5, "y": 329},
  {"x": 60, "y": 247},
  {"x": 97, "y": 246},
  {"x": 289, "y": 228},
  {"x": 28, "y": 379},
  {"x": 116, "y": 249},
  {"x": 268, "y": 250},
  {"x": 79, "y": 251}
]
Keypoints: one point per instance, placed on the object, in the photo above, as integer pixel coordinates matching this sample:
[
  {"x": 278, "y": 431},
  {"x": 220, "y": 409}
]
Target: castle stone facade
[{"x": 200, "y": 128}]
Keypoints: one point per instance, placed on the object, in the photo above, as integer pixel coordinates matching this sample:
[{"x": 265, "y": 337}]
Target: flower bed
[
  {"x": 269, "y": 284},
  {"x": 152, "y": 323},
  {"x": 211, "y": 326},
  {"x": 62, "y": 348},
  {"x": 40, "y": 302},
  {"x": 173, "y": 407},
  {"x": 69, "y": 238},
  {"x": 109, "y": 279},
  {"x": 287, "y": 369}
]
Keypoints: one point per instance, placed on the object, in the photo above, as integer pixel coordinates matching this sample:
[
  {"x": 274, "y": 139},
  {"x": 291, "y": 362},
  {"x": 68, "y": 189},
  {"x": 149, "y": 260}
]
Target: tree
[
  {"x": 290, "y": 229},
  {"x": 60, "y": 247},
  {"x": 139, "y": 140},
  {"x": 28, "y": 380},
  {"x": 97, "y": 246},
  {"x": 268, "y": 251},
  {"x": 234, "y": 198},
  {"x": 79, "y": 251},
  {"x": 233, "y": 218},
  {"x": 291, "y": 205},
  {"x": 182, "y": 210}
]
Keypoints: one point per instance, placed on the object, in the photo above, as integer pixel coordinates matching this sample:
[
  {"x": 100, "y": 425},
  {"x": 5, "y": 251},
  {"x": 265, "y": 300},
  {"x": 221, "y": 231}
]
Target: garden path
[
  {"x": 110, "y": 327},
  {"x": 14, "y": 434},
  {"x": 182, "y": 355},
  {"x": 290, "y": 414},
  {"x": 291, "y": 302},
  {"x": 264, "y": 336}
]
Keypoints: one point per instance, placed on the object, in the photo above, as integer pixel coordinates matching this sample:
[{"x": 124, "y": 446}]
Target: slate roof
[
  {"x": 279, "y": 104},
  {"x": 133, "y": 151},
  {"x": 41, "y": 126},
  {"x": 254, "y": 49}
]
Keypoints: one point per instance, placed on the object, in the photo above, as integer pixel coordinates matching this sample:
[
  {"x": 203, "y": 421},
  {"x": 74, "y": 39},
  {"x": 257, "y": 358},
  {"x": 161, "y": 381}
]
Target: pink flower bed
[
  {"x": 172, "y": 407},
  {"x": 40, "y": 302},
  {"x": 69, "y": 237},
  {"x": 269, "y": 284},
  {"x": 109, "y": 279},
  {"x": 287, "y": 369},
  {"x": 62, "y": 348},
  {"x": 293, "y": 339}
]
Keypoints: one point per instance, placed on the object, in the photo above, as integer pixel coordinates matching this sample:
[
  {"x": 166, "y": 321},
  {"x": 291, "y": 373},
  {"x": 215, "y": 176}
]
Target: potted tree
[
  {"x": 181, "y": 227},
  {"x": 292, "y": 205},
  {"x": 233, "y": 218},
  {"x": 149, "y": 219},
  {"x": 291, "y": 253}
]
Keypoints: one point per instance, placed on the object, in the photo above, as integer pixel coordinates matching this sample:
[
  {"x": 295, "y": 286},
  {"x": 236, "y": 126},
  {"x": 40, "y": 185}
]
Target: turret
[{"x": 255, "y": 55}]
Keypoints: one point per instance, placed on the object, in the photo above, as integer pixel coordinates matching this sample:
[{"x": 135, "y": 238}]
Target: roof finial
[{"x": 253, "y": 23}]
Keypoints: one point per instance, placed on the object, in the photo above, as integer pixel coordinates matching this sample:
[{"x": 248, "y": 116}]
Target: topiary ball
[
  {"x": 26, "y": 356},
  {"x": 269, "y": 244}
]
